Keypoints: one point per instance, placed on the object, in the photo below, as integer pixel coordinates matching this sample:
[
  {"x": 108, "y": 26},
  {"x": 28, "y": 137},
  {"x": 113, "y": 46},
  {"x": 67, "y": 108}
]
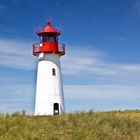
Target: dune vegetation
[{"x": 115, "y": 125}]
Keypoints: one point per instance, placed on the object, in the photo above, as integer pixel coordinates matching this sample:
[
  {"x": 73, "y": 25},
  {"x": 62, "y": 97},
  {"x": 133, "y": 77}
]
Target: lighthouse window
[
  {"x": 44, "y": 38},
  {"x": 53, "y": 72},
  {"x": 51, "y": 39}
]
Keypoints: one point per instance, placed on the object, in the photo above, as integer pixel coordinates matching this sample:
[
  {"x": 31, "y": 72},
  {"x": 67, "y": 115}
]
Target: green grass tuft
[{"x": 115, "y": 125}]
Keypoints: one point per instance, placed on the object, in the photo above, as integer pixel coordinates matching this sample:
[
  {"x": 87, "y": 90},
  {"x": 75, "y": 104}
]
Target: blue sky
[{"x": 101, "y": 68}]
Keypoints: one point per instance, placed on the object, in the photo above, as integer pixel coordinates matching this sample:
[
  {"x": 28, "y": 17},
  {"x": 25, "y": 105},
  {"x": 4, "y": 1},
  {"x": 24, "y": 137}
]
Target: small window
[{"x": 53, "y": 72}]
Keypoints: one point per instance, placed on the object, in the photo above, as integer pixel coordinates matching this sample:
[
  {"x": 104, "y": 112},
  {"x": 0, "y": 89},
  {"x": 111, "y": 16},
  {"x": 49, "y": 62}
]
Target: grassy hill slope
[{"x": 117, "y": 125}]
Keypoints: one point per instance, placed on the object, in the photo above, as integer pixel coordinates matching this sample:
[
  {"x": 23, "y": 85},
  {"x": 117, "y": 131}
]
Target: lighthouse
[{"x": 49, "y": 99}]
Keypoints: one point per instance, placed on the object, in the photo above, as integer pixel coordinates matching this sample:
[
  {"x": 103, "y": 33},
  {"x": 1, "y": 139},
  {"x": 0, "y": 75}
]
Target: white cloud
[
  {"x": 5, "y": 11},
  {"x": 111, "y": 92},
  {"x": 8, "y": 79},
  {"x": 16, "y": 97},
  {"x": 92, "y": 62},
  {"x": 18, "y": 55},
  {"x": 101, "y": 97},
  {"x": 77, "y": 97}
]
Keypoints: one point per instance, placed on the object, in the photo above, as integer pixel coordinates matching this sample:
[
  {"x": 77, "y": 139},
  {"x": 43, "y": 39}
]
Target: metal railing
[
  {"x": 46, "y": 47},
  {"x": 61, "y": 47}
]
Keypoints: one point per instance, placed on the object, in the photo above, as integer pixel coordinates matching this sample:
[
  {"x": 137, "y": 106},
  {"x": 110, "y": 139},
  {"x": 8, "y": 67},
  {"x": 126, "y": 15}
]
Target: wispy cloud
[
  {"x": 77, "y": 97},
  {"x": 17, "y": 98},
  {"x": 18, "y": 55},
  {"x": 10, "y": 9},
  {"x": 4, "y": 80},
  {"x": 3, "y": 8},
  {"x": 4, "y": 11},
  {"x": 102, "y": 97},
  {"x": 111, "y": 92},
  {"x": 93, "y": 62}
]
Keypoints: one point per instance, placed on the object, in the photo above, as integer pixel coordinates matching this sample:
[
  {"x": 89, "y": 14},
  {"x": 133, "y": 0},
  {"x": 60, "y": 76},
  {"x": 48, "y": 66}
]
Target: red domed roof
[{"x": 48, "y": 29}]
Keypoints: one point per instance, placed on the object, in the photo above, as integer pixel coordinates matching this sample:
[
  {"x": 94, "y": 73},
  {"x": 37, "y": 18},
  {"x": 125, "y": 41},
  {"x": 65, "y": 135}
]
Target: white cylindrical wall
[{"x": 49, "y": 88}]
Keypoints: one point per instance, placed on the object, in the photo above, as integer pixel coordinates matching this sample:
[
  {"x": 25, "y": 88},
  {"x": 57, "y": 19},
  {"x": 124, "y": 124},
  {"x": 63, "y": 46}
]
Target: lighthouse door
[{"x": 56, "y": 108}]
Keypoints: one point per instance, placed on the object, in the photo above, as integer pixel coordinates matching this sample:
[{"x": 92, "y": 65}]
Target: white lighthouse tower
[{"x": 49, "y": 91}]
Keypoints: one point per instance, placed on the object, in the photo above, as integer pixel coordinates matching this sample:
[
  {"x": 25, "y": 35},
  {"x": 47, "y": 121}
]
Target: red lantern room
[{"x": 49, "y": 41}]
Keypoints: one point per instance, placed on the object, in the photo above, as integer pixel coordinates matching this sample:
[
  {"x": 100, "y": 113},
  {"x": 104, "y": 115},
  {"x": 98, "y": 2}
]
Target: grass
[{"x": 116, "y": 125}]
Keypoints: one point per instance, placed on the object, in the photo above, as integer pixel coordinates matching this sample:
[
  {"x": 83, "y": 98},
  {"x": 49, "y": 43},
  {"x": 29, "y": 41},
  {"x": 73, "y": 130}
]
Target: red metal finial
[{"x": 48, "y": 21}]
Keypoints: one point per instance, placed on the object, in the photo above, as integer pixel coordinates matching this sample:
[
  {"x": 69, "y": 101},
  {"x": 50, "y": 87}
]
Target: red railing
[{"x": 48, "y": 47}]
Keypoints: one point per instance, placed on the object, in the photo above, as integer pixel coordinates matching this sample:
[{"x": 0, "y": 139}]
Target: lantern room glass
[{"x": 49, "y": 38}]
